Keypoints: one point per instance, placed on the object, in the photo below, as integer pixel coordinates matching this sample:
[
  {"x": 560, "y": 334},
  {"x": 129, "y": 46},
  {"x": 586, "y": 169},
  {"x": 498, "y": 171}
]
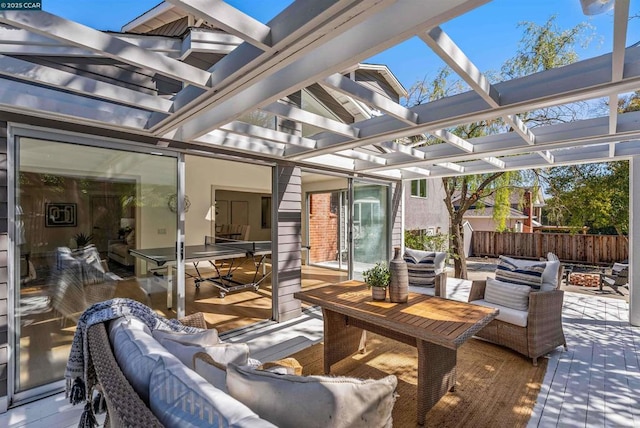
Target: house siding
[
  {"x": 4, "y": 243},
  {"x": 424, "y": 213},
  {"x": 287, "y": 278}
]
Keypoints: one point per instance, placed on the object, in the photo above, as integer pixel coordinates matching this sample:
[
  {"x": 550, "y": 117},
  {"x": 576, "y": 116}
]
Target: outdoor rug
[{"x": 495, "y": 387}]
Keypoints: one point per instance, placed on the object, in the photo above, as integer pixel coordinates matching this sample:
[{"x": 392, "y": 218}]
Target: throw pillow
[
  {"x": 423, "y": 266},
  {"x": 549, "y": 276},
  {"x": 223, "y": 353},
  {"x": 202, "y": 338},
  {"x": 290, "y": 401},
  {"x": 181, "y": 398},
  {"x": 531, "y": 275},
  {"x": 507, "y": 294}
]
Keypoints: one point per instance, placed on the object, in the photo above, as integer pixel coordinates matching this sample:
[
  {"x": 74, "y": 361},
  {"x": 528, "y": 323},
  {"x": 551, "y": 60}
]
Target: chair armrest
[
  {"x": 194, "y": 320},
  {"x": 126, "y": 408},
  {"x": 545, "y": 307},
  {"x": 477, "y": 290}
]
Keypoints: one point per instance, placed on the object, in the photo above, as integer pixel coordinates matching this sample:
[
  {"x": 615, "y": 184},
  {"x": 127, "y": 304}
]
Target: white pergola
[{"x": 314, "y": 42}]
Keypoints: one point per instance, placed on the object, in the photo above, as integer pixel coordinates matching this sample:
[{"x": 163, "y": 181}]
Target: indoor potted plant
[{"x": 377, "y": 278}]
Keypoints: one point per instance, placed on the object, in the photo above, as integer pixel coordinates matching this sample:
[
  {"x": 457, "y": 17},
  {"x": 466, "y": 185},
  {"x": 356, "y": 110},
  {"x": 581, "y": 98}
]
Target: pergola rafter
[{"x": 312, "y": 43}]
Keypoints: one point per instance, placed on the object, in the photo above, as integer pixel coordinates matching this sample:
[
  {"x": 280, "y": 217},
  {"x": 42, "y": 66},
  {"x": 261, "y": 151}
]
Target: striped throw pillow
[
  {"x": 507, "y": 294},
  {"x": 423, "y": 266},
  {"x": 531, "y": 275}
]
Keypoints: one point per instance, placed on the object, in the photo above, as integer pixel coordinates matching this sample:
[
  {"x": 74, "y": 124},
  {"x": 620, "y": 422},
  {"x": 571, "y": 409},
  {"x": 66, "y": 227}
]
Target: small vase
[
  {"x": 379, "y": 293},
  {"x": 399, "y": 285}
]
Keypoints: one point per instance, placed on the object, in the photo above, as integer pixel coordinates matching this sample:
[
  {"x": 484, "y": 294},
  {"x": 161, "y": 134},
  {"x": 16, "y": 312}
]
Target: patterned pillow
[
  {"x": 423, "y": 266},
  {"x": 507, "y": 294},
  {"x": 531, "y": 275}
]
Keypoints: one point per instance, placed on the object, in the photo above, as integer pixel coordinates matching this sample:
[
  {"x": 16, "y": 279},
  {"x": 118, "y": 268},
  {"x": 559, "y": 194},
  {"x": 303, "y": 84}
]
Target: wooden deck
[{"x": 596, "y": 383}]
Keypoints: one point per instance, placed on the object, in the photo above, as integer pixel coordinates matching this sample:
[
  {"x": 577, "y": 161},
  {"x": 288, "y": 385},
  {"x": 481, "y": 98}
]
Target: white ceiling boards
[{"x": 196, "y": 89}]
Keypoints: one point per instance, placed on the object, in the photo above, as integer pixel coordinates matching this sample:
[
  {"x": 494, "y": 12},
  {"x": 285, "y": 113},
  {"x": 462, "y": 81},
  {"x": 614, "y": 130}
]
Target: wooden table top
[{"x": 441, "y": 321}]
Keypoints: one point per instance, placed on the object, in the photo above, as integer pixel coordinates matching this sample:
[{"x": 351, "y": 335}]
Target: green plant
[
  {"x": 83, "y": 240},
  {"x": 377, "y": 276}
]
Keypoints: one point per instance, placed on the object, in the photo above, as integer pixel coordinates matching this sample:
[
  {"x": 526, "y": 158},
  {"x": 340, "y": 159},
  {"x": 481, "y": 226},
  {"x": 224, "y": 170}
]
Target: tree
[
  {"x": 541, "y": 48},
  {"x": 593, "y": 195}
]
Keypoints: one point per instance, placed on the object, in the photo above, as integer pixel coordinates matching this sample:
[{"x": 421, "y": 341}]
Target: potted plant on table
[{"x": 378, "y": 278}]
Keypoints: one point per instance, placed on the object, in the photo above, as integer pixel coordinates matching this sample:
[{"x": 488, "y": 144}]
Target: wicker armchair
[
  {"x": 125, "y": 408},
  {"x": 543, "y": 332}
]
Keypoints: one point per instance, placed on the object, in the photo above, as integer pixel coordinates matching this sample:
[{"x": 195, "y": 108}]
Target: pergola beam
[
  {"x": 296, "y": 114},
  {"x": 565, "y": 135},
  {"x": 620, "y": 23},
  {"x": 544, "y": 89},
  {"x": 84, "y": 37},
  {"x": 249, "y": 130},
  {"x": 294, "y": 32},
  {"x": 454, "y": 140},
  {"x": 348, "y": 87},
  {"x": 454, "y": 57},
  {"x": 356, "y": 39},
  {"x": 26, "y": 98},
  {"x": 82, "y": 85},
  {"x": 229, "y": 19}
]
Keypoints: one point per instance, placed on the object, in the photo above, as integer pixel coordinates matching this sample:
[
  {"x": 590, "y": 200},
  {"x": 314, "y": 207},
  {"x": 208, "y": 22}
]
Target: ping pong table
[{"x": 233, "y": 252}]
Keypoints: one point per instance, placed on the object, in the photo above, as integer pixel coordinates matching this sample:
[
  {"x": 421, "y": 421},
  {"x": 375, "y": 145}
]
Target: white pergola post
[{"x": 634, "y": 242}]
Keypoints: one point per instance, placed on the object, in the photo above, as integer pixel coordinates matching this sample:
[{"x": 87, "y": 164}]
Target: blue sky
[{"x": 489, "y": 34}]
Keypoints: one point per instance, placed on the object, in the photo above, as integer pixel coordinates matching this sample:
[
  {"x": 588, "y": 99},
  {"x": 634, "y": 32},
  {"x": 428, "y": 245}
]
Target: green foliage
[
  {"x": 83, "y": 240},
  {"x": 593, "y": 195},
  {"x": 420, "y": 241},
  {"x": 377, "y": 276}
]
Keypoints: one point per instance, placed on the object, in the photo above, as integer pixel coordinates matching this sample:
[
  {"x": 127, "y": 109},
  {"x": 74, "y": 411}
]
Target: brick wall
[{"x": 323, "y": 229}]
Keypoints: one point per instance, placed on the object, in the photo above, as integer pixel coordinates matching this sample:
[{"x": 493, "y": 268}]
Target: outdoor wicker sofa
[
  {"x": 542, "y": 330},
  {"x": 146, "y": 382},
  {"x": 125, "y": 408}
]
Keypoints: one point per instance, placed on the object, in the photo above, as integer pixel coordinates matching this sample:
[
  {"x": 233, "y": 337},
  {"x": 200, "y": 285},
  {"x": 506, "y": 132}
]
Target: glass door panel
[
  {"x": 370, "y": 225},
  {"x": 80, "y": 210},
  {"x": 328, "y": 237}
]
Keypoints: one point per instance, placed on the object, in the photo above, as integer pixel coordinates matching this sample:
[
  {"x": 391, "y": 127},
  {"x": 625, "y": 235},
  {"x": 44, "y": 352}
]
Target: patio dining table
[{"x": 435, "y": 326}]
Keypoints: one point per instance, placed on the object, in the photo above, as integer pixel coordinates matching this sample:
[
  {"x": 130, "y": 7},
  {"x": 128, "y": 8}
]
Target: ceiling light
[{"x": 594, "y": 7}]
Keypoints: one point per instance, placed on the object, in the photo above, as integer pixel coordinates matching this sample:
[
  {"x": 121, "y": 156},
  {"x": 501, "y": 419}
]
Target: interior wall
[
  {"x": 201, "y": 173},
  {"x": 231, "y": 200}
]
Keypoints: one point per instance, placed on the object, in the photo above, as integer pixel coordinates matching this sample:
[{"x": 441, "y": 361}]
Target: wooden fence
[{"x": 584, "y": 249}]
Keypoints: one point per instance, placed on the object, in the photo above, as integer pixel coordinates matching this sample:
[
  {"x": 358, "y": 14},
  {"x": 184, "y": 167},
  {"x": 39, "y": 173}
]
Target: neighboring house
[
  {"x": 424, "y": 206},
  {"x": 524, "y": 215}
]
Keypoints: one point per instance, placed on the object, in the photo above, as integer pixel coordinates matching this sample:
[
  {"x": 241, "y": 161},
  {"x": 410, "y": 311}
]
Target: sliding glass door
[
  {"x": 80, "y": 211},
  {"x": 370, "y": 225}
]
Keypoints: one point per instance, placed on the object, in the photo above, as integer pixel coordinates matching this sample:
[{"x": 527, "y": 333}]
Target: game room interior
[{"x": 112, "y": 205}]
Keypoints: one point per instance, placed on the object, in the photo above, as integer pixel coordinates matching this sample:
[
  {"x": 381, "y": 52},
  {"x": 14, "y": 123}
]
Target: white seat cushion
[{"x": 509, "y": 315}]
